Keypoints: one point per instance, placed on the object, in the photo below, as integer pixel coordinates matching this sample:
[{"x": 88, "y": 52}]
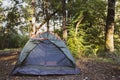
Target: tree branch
[{"x": 45, "y": 20}]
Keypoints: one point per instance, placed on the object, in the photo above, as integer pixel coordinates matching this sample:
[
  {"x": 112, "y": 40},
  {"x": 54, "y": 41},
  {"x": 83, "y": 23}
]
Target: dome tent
[{"x": 45, "y": 55}]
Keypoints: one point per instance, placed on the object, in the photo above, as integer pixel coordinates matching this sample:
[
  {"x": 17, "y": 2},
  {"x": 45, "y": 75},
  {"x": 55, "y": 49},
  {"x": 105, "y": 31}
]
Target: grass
[
  {"x": 108, "y": 60},
  {"x": 10, "y": 50}
]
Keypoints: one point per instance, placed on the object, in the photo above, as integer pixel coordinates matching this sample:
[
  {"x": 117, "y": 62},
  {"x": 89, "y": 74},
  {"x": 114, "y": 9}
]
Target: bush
[
  {"x": 75, "y": 43},
  {"x": 12, "y": 40},
  {"x": 23, "y": 41}
]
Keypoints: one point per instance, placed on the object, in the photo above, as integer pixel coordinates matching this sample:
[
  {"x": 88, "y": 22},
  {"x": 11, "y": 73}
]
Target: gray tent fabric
[
  {"x": 45, "y": 57},
  {"x": 26, "y": 50}
]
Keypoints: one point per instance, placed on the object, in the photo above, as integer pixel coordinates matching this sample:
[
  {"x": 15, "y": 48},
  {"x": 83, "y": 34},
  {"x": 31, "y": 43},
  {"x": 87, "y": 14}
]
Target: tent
[{"x": 45, "y": 55}]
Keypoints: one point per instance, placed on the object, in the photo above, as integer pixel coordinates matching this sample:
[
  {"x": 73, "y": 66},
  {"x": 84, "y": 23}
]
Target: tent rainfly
[{"x": 45, "y": 55}]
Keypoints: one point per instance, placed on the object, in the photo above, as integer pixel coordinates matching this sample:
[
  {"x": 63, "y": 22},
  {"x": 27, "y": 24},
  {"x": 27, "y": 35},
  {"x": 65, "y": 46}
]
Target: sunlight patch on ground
[
  {"x": 7, "y": 58},
  {"x": 13, "y": 63}
]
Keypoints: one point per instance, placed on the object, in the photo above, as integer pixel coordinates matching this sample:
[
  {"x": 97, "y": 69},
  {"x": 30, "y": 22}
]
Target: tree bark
[
  {"x": 109, "y": 31},
  {"x": 64, "y": 28},
  {"x": 46, "y": 4},
  {"x": 33, "y": 22},
  {"x": 78, "y": 23}
]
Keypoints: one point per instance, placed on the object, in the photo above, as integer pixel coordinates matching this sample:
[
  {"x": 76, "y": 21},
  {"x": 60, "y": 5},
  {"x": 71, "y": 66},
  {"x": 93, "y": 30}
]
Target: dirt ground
[{"x": 90, "y": 70}]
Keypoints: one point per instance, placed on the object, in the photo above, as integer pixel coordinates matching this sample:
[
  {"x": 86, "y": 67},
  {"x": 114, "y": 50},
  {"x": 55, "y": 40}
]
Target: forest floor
[{"x": 90, "y": 69}]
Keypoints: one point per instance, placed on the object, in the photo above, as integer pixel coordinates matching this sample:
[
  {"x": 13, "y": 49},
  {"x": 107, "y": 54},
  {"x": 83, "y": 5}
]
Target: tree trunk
[
  {"x": 33, "y": 22},
  {"x": 47, "y": 19},
  {"x": 109, "y": 31},
  {"x": 46, "y": 5},
  {"x": 64, "y": 28},
  {"x": 77, "y": 25},
  {"x": 47, "y": 15}
]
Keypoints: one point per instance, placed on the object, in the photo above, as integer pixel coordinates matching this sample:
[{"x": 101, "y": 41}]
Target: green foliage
[
  {"x": 75, "y": 43},
  {"x": 89, "y": 40},
  {"x": 11, "y": 17},
  {"x": 23, "y": 41},
  {"x": 85, "y": 43},
  {"x": 117, "y": 28},
  {"x": 75, "y": 36},
  {"x": 12, "y": 40},
  {"x": 94, "y": 39}
]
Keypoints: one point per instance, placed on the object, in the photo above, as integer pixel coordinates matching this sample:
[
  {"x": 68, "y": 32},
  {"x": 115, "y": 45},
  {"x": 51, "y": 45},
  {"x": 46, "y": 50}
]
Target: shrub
[{"x": 75, "y": 43}]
